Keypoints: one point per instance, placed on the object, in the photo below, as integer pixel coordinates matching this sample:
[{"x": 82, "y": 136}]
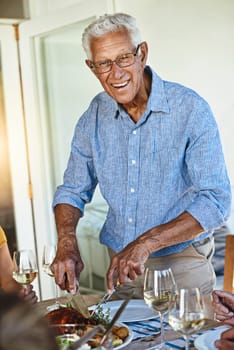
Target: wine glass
[
  {"x": 186, "y": 314},
  {"x": 49, "y": 252},
  {"x": 159, "y": 286},
  {"x": 25, "y": 268}
]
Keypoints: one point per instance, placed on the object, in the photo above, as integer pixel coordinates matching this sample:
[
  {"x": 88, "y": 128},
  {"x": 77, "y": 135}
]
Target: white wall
[{"x": 190, "y": 42}]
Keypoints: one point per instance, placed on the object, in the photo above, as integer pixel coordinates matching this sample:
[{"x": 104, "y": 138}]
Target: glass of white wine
[
  {"x": 49, "y": 252},
  {"x": 186, "y": 315},
  {"x": 25, "y": 268},
  {"x": 159, "y": 286}
]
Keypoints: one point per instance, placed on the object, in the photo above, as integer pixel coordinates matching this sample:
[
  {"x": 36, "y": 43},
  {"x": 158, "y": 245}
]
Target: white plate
[
  {"x": 206, "y": 340},
  {"x": 136, "y": 310},
  {"x": 129, "y": 338}
]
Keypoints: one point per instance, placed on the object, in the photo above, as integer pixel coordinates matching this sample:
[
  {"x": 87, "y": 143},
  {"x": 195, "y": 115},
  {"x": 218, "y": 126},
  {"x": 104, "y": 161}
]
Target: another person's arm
[
  {"x": 7, "y": 282},
  {"x": 28, "y": 294},
  {"x": 226, "y": 341},
  {"x": 223, "y": 303}
]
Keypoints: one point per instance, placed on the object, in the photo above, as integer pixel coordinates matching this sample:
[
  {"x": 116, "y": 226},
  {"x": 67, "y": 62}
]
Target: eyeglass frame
[{"x": 92, "y": 65}]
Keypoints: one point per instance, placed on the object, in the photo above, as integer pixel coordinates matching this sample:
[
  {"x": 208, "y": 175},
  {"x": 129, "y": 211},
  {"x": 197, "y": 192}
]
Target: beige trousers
[{"x": 191, "y": 268}]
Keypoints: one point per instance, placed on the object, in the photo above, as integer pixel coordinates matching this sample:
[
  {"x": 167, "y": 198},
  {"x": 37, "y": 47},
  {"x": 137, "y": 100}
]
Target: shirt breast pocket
[{"x": 167, "y": 162}]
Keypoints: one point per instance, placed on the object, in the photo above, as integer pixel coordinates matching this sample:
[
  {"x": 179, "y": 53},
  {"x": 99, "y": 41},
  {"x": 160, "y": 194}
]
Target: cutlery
[
  {"x": 105, "y": 298},
  {"x": 146, "y": 339},
  {"x": 78, "y": 303},
  {"x": 115, "y": 318}
]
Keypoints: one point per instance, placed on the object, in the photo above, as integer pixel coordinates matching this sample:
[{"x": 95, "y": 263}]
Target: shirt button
[
  {"x": 132, "y": 190},
  {"x": 129, "y": 219},
  {"x": 133, "y": 161},
  {"x": 134, "y": 132}
]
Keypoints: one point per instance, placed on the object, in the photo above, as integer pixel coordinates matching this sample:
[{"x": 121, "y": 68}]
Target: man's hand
[
  {"x": 127, "y": 265},
  {"x": 67, "y": 264},
  {"x": 226, "y": 341},
  {"x": 223, "y": 303}
]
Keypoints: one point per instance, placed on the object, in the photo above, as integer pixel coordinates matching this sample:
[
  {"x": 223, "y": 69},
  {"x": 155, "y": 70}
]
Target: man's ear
[
  {"x": 144, "y": 51},
  {"x": 91, "y": 66},
  {"x": 89, "y": 63}
]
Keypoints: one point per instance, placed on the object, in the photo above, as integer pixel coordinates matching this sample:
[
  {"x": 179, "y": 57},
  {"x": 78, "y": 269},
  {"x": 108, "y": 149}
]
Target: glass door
[{"x": 57, "y": 89}]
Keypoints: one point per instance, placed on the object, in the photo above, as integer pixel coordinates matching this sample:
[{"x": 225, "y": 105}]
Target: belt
[{"x": 202, "y": 241}]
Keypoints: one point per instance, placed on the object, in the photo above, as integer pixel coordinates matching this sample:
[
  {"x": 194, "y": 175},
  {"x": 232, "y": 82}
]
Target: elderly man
[{"x": 154, "y": 149}]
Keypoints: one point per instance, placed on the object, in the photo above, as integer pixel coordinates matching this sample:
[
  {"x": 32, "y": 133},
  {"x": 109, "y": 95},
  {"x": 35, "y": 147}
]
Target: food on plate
[
  {"x": 67, "y": 320},
  {"x": 64, "y": 341},
  {"x": 67, "y": 315},
  {"x": 120, "y": 331}
]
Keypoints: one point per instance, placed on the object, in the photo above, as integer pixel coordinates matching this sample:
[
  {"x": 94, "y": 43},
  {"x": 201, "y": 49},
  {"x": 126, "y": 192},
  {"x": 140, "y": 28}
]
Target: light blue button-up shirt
[{"x": 151, "y": 171}]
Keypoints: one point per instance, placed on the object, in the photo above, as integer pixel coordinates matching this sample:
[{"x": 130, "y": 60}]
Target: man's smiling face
[{"x": 122, "y": 84}]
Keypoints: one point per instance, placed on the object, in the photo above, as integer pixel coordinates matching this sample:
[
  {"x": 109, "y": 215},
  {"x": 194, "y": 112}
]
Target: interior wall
[{"x": 191, "y": 42}]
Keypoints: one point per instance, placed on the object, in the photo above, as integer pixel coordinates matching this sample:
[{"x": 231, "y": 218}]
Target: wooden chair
[{"x": 228, "y": 282}]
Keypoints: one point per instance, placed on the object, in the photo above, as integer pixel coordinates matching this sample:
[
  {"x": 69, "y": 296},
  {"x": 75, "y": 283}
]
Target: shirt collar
[{"x": 157, "y": 100}]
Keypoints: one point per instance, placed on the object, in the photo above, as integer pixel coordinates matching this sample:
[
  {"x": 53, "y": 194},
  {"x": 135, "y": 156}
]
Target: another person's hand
[
  {"x": 67, "y": 264},
  {"x": 223, "y": 303},
  {"x": 226, "y": 341},
  {"x": 28, "y": 294},
  {"x": 127, "y": 264}
]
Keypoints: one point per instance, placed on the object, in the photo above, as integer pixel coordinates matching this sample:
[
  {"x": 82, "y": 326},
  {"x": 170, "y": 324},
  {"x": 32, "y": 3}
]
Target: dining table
[{"x": 149, "y": 341}]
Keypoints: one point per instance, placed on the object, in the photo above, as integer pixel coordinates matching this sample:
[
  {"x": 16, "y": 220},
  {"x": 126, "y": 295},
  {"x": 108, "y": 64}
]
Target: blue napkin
[{"x": 144, "y": 328}]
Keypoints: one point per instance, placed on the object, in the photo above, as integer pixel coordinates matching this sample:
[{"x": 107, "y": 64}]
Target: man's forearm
[
  {"x": 184, "y": 228},
  {"x": 68, "y": 263},
  {"x": 66, "y": 218}
]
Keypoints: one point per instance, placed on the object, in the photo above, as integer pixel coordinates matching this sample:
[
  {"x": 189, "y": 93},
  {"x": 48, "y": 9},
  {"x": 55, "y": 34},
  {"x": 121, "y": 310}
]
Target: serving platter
[
  {"x": 73, "y": 337},
  {"x": 136, "y": 310}
]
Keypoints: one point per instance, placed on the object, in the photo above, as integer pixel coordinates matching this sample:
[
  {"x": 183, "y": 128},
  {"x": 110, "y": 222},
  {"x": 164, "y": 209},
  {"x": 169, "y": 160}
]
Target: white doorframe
[
  {"x": 16, "y": 140},
  {"x": 30, "y": 33}
]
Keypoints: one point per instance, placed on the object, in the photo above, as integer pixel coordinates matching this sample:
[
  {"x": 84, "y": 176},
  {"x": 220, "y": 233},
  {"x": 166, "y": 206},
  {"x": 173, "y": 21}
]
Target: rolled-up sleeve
[
  {"x": 206, "y": 167},
  {"x": 80, "y": 180}
]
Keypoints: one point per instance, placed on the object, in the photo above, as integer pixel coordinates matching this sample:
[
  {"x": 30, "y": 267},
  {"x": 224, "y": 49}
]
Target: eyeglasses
[{"x": 122, "y": 61}]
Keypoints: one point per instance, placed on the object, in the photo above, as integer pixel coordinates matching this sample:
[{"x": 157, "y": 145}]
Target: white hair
[{"x": 110, "y": 23}]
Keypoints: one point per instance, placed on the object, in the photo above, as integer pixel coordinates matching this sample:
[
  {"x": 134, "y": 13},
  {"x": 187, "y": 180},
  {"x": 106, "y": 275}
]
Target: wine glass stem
[
  {"x": 186, "y": 338},
  {"x": 162, "y": 327}
]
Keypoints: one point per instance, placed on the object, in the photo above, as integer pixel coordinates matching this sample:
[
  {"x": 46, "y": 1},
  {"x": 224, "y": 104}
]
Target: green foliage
[{"x": 102, "y": 316}]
